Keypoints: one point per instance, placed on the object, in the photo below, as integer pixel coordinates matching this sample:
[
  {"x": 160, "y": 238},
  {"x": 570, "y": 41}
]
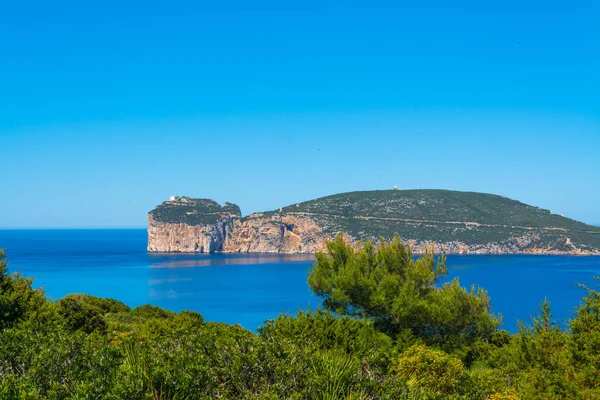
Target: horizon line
[{"x": 71, "y": 228}]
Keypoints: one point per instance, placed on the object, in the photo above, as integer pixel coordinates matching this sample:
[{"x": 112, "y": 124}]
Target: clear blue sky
[{"x": 107, "y": 108}]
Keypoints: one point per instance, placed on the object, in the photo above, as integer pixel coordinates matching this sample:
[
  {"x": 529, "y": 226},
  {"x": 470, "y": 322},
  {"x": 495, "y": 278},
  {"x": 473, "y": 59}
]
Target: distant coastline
[{"x": 450, "y": 222}]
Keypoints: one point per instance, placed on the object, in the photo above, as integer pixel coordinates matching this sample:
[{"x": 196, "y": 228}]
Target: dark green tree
[
  {"x": 586, "y": 338},
  {"x": 385, "y": 283},
  {"x": 540, "y": 358}
]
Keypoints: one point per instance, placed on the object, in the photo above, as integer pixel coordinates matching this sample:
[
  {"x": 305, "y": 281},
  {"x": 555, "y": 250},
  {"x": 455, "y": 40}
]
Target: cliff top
[{"x": 193, "y": 211}]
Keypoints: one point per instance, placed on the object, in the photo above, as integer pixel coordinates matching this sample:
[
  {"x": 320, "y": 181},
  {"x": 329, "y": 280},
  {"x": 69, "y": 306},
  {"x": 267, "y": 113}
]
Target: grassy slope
[{"x": 424, "y": 214}]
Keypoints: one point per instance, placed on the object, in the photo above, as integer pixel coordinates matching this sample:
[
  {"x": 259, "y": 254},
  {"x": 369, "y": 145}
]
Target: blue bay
[{"x": 248, "y": 289}]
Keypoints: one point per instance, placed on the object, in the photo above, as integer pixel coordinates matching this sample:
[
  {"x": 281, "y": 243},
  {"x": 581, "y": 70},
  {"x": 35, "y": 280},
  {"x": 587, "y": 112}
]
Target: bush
[
  {"x": 76, "y": 315},
  {"x": 148, "y": 311},
  {"x": 433, "y": 372}
]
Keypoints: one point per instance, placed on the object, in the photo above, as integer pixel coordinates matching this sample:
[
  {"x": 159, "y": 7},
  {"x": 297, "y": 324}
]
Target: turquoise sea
[{"x": 248, "y": 289}]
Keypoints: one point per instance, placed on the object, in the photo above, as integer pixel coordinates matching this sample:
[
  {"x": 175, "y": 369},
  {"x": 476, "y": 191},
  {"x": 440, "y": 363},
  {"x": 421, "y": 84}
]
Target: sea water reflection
[{"x": 163, "y": 260}]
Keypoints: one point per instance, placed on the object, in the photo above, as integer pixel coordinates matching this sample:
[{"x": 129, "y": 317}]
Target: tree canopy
[{"x": 400, "y": 293}]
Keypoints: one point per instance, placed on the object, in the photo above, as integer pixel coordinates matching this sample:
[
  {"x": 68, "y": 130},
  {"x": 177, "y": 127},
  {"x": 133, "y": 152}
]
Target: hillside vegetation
[
  {"x": 437, "y": 205},
  {"x": 191, "y": 211},
  {"x": 442, "y": 216}
]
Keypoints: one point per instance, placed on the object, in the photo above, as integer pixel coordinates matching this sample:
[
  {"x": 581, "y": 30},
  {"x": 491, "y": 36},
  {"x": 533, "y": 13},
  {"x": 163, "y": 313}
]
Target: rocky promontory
[
  {"x": 452, "y": 222},
  {"x": 189, "y": 225}
]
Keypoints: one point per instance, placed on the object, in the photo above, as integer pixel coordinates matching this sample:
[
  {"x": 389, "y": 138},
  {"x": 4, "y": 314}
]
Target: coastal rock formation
[
  {"x": 180, "y": 237},
  {"x": 190, "y": 225},
  {"x": 450, "y": 222},
  {"x": 275, "y": 234}
]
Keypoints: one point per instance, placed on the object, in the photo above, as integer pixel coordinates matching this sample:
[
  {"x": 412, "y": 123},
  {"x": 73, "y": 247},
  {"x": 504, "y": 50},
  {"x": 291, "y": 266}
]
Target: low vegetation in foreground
[{"x": 388, "y": 330}]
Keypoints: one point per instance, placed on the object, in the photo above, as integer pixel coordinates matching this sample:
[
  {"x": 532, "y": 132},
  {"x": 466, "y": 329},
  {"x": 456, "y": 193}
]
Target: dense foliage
[
  {"x": 193, "y": 211},
  {"x": 389, "y": 331}
]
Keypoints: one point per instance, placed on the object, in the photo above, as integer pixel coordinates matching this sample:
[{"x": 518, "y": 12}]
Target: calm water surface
[{"x": 248, "y": 289}]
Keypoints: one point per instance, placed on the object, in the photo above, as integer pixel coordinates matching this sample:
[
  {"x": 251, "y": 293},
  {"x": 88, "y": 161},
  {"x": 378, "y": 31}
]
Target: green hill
[
  {"x": 442, "y": 216},
  {"x": 438, "y": 205}
]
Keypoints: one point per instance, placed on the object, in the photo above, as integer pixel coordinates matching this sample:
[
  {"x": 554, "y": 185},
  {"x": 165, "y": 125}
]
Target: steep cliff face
[
  {"x": 450, "y": 222},
  {"x": 255, "y": 234},
  {"x": 190, "y": 225},
  {"x": 275, "y": 234},
  {"x": 180, "y": 237}
]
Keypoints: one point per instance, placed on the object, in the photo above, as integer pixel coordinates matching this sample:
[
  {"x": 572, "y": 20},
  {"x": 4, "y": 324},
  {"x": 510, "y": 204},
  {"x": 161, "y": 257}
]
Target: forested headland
[
  {"x": 452, "y": 221},
  {"x": 388, "y": 329}
]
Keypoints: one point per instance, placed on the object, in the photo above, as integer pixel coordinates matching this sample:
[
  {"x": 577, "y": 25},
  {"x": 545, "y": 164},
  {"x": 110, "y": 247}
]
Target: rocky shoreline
[{"x": 287, "y": 234}]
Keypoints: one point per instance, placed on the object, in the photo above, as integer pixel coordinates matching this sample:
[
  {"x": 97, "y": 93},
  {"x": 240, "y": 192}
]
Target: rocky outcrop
[
  {"x": 203, "y": 226},
  {"x": 255, "y": 234},
  {"x": 526, "y": 244},
  {"x": 190, "y": 225},
  {"x": 275, "y": 234},
  {"x": 180, "y": 237}
]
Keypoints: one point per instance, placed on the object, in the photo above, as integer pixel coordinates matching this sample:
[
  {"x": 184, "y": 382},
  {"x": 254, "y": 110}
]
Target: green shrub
[
  {"x": 105, "y": 305},
  {"x": 433, "y": 372},
  {"x": 76, "y": 315},
  {"x": 19, "y": 301}
]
